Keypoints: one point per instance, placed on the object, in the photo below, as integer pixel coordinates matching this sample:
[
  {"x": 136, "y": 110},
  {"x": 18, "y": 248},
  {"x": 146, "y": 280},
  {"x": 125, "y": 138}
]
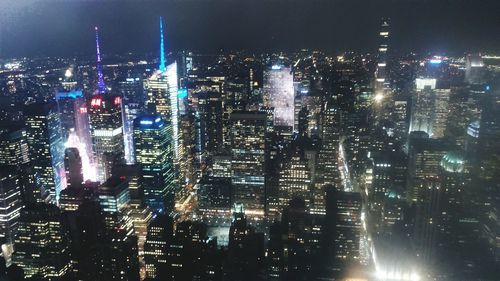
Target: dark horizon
[{"x": 65, "y": 28}]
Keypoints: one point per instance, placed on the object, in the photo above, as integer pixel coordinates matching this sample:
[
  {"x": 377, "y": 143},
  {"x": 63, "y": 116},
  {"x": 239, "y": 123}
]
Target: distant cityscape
[{"x": 297, "y": 165}]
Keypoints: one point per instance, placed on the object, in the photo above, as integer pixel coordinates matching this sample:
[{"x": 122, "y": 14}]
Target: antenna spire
[
  {"x": 101, "y": 87},
  {"x": 162, "y": 48}
]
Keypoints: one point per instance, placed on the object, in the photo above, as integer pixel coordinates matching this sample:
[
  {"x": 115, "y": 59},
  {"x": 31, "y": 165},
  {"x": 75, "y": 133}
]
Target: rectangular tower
[
  {"x": 279, "y": 94},
  {"x": 248, "y": 146}
]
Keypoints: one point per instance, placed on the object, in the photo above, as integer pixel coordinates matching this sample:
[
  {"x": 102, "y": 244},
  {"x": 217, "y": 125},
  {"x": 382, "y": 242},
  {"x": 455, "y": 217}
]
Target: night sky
[{"x": 64, "y": 27}]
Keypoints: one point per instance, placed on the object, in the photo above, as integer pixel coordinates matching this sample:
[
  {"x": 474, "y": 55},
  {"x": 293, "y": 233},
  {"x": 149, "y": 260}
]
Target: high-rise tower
[
  {"x": 279, "y": 94},
  {"x": 153, "y": 151},
  {"x": 107, "y": 132},
  {"x": 381, "y": 73},
  {"x": 161, "y": 98}
]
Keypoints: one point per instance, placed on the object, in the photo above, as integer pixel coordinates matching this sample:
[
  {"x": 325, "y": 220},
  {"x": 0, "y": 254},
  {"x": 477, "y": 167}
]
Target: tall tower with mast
[{"x": 101, "y": 86}]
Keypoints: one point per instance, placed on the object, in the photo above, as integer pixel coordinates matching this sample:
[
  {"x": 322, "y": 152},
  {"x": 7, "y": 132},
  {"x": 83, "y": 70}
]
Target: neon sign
[{"x": 96, "y": 102}]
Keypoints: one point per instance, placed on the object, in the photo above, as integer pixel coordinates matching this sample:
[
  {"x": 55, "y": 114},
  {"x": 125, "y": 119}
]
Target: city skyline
[{"x": 374, "y": 163}]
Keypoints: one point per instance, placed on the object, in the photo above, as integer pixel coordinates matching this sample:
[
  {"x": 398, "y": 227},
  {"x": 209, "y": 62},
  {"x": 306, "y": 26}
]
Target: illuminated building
[
  {"x": 71, "y": 199},
  {"x": 192, "y": 255},
  {"x": 188, "y": 135},
  {"x": 214, "y": 200},
  {"x": 401, "y": 119},
  {"x": 381, "y": 72},
  {"x": 423, "y": 104},
  {"x": 73, "y": 166},
  {"x": 114, "y": 195},
  {"x": 475, "y": 69},
  {"x": 344, "y": 225},
  {"x": 68, "y": 104},
  {"x": 327, "y": 171},
  {"x": 248, "y": 160},
  {"x": 429, "y": 218},
  {"x": 430, "y": 110},
  {"x": 383, "y": 96},
  {"x": 154, "y": 154},
  {"x": 131, "y": 90},
  {"x": 382, "y": 181},
  {"x": 114, "y": 198},
  {"x": 162, "y": 96},
  {"x": 489, "y": 137},
  {"x": 46, "y": 147},
  {"x": 295, "y": 181},
  {"x": 208, "y": 107},
  {"x": 140, "y": 216},
  {"x": 279, "y": 94},
  {"x": 425, "y": 157},
  {"x": 14, "y": 147},
  {"x": 42, "y": 242},
  {"x": 221, "y": 166},
  {"x": 10, "y": 206},
  {"x": 75, "y": 128},
  {"x": 106, "y": 123},
  {"x": 160, "y": 233}
]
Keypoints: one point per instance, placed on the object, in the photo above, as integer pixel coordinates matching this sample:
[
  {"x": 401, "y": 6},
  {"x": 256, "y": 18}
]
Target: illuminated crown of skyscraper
[
  {"x": 101, "y": 87},
  {"x": 163, "y": 62}
]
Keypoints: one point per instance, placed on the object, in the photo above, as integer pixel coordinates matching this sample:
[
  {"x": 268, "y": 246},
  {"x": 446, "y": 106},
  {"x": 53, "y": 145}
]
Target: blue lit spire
[
  {"x": 162, "y": 48},
  {"x": 101, "y": 87}
]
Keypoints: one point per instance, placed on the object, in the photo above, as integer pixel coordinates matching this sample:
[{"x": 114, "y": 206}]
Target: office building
[
  {"x": 155, "y": 156},
  {"x": 344, "y": 226},
  {"x": 106, "y": 123},
  {"x": 279, "y": 95},
  {"x": 73, "y": 166},
  {"x": 10, "y": 207},
  {"x": 248, "y": 146},
  {"x": 42, "y": 246},
  {"x": 46, "y": 147}
]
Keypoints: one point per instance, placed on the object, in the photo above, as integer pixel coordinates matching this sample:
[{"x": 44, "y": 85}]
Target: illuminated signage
[
  {"x": 96, "y": 102},
  {"x": 146, "y": 122}
]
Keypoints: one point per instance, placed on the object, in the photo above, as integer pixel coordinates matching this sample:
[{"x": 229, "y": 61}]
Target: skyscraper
[
  {"x": 295, "y": 180},
  {"x": 106, "y": 122},
  {"x": 42, "y": 242},
  {"x": 429, "y": 111},
  {"x": 73, "y": 166},
  {"x": 248, "y": 160},
  {"x": 154, "y": 154},
  {"x": 344, "y": 225},
  {"x": 10, "y": 207},
  {"x": 327, "y": 171},
  {"x": 14, "y": 147},
  {"x": 208, "y": 106},
  {"x": 155, "y": 248},
  {"x": 381, "y": 72},
  {"x": 46, "y": 148},
  {"x": 475, "y": 69},
  {"x": 279, "y": 95},
  {"x": 161, "y": 90}
]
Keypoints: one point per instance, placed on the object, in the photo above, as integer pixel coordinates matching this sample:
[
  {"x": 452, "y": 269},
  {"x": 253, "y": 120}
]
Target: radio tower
[{"x": 101, "y": 87}]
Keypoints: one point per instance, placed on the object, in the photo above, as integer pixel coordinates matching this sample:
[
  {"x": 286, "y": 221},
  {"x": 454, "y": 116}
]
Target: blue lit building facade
[{"x": 154, "y": 154}]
